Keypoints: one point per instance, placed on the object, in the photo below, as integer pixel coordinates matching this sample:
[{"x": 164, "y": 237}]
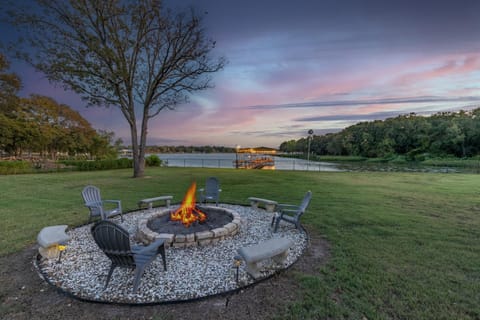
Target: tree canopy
[
  {"x": 442, "y": 134},
  {"x": 41, "y": 125},
  {"x": 9, "y": 85},
  {"x": 137, "y": 56}
]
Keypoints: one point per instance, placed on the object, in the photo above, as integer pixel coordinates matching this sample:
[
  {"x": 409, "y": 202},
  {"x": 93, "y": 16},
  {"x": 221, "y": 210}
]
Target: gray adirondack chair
[
  {"x": 97, "y": 206},
  {"x": 291, "y": 213},
  {"x": 115, "y": 243},
  {"x": 211, "y": 192}
]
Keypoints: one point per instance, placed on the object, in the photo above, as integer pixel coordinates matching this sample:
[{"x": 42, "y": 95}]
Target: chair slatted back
[
  {"x": 305, "y": 203},
  {"x": 212, "y": 186},
  {"x": 91, "y": 194},
  {"x": 114, "y": 242}
]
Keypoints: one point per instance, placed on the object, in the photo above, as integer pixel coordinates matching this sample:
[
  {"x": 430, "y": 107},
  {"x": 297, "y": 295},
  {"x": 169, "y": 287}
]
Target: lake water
[{"x": 227, "y": 160}]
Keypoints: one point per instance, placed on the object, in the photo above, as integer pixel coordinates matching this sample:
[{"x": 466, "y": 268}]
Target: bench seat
[
  {"x": 270, "y": 205},
  {"x": 150, "y": 201},
  {"x": 275, "y": 249}
]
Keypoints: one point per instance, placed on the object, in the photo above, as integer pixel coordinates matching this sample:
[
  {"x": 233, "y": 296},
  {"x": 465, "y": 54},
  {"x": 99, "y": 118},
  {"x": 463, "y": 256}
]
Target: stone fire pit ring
[{"x": 201, "y": 238}]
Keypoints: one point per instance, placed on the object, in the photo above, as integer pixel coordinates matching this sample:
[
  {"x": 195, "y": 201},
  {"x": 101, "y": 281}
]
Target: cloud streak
[
  {"x": 361, "y": 102},
  {"x": 377, "y": 115},
  {"x": 449, "y": 68}
]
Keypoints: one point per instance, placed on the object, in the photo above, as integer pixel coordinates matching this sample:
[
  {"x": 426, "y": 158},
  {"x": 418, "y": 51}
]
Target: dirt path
[{"x": 24, "y": 295}]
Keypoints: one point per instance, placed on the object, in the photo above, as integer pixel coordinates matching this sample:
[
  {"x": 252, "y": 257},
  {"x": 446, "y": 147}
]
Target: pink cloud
[
  {"x": 451, "y": 66},
  {"x": 374, "y": 108},
  {"x": 200, "y": 122},
  {"x": 333, "y": 88},
  {"x": 464, "y": 91}
]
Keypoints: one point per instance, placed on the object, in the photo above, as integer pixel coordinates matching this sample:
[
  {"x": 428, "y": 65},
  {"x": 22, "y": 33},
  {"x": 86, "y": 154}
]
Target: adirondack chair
[
  {"x": 291, "y": 213},
  {"x": 97, "y": 206},
  {"x": 211, "y": 192},
  {"x": 115, "y": 243}
]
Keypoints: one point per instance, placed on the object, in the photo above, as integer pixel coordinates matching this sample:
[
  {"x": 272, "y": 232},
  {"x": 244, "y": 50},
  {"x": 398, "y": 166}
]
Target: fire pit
[{"x": 189, "y": 225}]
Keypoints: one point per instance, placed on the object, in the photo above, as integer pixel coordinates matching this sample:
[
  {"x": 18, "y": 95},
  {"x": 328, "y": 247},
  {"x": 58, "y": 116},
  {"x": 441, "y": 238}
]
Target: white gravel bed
[{"x": 192, "y": 273}]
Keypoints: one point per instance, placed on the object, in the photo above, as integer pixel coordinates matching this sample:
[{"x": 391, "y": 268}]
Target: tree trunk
[
  {"x": 138, "y": 166},
  {"x": 139, "y": 170},
  {"x": 138, "y": 154}
]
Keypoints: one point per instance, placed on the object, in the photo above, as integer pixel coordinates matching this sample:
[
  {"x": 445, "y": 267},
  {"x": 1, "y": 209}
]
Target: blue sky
[{"x": 321, "y": 65}]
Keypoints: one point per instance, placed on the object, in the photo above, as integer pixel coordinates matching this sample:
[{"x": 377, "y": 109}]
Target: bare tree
[{"x": 135, "y": 55}]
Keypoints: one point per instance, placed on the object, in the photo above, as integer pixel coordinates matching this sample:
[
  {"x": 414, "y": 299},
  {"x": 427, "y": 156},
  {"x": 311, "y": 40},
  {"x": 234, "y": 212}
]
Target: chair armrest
[
  {"x": 287, "y": 209},
  {"x": 152, "y": 246},
  {"x": 288, "y": 212},
  {"x": 118, "y": 202},
  {"x": 113, "y": 201},
  {"x": 283, "y": 206}
]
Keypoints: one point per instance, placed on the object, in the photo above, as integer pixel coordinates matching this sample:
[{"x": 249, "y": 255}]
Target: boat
[{"x": 255, "y": 158}]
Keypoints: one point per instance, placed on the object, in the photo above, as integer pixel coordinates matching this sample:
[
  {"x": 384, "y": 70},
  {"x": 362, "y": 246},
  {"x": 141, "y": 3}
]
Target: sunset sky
[{"x": 321, "y": 65}]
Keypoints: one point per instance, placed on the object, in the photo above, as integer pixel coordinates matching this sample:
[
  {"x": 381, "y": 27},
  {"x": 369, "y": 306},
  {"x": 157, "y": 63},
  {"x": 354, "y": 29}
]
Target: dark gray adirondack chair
[
  {"x": 291, "y": 213},
  {"x": 211, "y": 192},
  {"x": 115, "y": 243},
  {"x": 97, "y": 206}
]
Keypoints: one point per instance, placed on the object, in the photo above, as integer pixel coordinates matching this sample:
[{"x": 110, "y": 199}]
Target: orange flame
[{"x": 188, "y": 213}]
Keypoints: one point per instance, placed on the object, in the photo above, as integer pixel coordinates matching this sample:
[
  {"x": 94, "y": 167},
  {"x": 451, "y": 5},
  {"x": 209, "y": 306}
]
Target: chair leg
[
  {"x": 103, "y": 216},
  {"x": 299, "y": 226},
  {"x": 138, "y": 275},
  {"x": 142, "y": 263},
  {"x": 277, "y": 222},
  {"x": 161, "y": 250},
  {"x": 110, "y": 272},
  {"x": 275, "y": 217},
  {"x": 164, "y": 259}
]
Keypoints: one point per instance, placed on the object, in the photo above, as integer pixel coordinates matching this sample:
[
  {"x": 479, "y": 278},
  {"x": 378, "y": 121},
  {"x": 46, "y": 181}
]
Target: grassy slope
[{"x": 404, "y": 246}]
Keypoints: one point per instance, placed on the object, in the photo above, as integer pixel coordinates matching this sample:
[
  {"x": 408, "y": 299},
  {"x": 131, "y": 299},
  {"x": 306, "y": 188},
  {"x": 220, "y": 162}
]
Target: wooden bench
[
  {"x": 275, "y": 249},
  {"x": 269, "y": 204},
  {"x": 150, "y": 201},
  {"x": 49, "y": 238}
]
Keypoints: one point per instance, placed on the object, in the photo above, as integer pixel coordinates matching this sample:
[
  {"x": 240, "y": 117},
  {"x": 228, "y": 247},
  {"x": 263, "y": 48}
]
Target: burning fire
[{"x": 188, "y": 213}]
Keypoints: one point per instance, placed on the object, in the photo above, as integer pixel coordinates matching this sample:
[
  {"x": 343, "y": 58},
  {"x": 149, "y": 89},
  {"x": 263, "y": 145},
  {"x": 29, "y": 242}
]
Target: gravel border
[{"x": 192, "y": 273}]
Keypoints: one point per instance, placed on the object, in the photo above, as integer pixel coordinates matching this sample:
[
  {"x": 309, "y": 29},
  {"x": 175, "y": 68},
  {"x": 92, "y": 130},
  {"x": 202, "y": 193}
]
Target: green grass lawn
[{"x": 403, "y": 245}]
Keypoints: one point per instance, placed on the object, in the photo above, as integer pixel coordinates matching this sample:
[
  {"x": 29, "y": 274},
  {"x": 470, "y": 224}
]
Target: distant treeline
[
  {"x": 413, "y": 136},
  {"x": 188, "y": 149}
]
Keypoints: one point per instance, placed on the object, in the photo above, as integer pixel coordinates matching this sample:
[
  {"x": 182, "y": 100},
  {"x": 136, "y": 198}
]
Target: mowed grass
[{"x": 403, "y": 245}]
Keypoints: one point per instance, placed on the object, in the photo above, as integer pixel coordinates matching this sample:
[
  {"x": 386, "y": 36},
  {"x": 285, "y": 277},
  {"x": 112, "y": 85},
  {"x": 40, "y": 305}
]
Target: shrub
[
  {"x": 86, "y": 165},
  {"x": 378, "y": 160},
  {"x": 153, "y": 161},
  {"x": 342, "y": 158},
  {"x": 453, "y": 162},
  {"x": 15, "y": 167},
  {"x": 399, "y": 159}
]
